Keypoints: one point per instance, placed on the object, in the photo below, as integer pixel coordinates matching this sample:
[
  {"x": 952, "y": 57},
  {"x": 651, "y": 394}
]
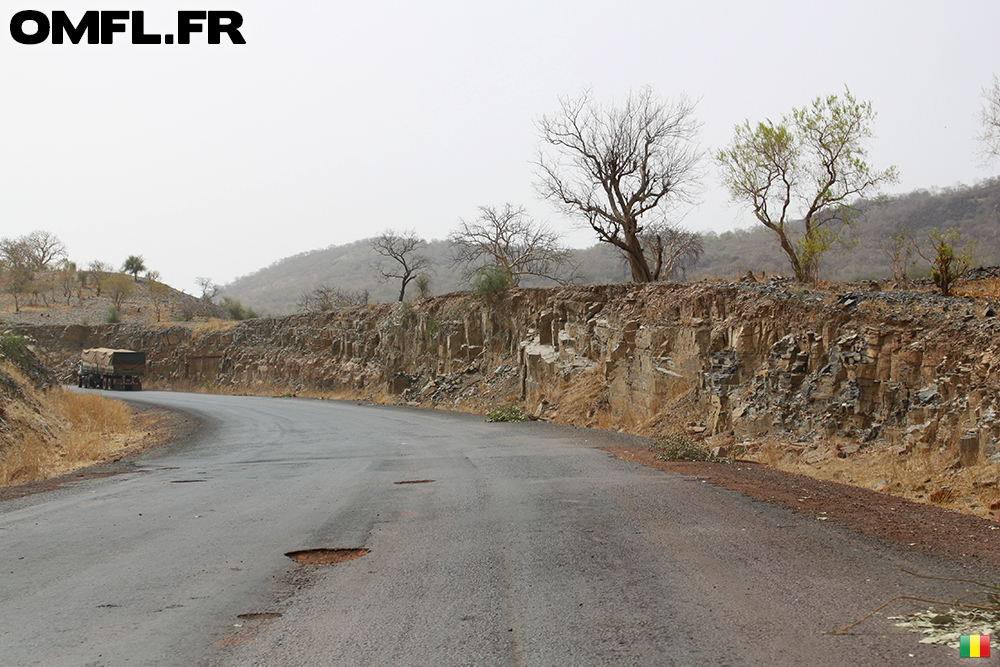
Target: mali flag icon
[{"x": 974, "y": 646}]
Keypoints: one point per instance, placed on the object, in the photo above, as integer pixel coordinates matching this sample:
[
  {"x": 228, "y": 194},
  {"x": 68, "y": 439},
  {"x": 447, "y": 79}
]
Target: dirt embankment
[{"x": 796, "y": 377}]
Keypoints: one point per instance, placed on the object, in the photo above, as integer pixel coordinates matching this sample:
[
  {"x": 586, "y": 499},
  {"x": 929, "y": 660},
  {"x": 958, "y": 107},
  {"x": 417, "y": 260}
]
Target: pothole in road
[
  {"x": 325, "y": 556},
  {"x": 259, "y": 616},
  {"x": 415, "y": 481}
]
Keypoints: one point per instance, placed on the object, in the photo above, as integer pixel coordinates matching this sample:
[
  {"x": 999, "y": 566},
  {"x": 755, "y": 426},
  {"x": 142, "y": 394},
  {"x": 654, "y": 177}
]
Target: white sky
[{"x": 338, "y": 120}]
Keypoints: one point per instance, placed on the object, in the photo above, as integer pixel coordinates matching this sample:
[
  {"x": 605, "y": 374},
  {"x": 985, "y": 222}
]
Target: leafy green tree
[
  {"x": 807, "y": 170},
  {"x": 619, "y": 167},
  {"x": 118, "y": 288},
  {"x": 134, "y": 264}
]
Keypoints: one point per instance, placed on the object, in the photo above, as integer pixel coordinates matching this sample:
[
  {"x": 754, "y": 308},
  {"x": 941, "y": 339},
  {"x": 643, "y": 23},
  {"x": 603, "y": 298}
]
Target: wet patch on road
[{"x": 325, "y": 556}]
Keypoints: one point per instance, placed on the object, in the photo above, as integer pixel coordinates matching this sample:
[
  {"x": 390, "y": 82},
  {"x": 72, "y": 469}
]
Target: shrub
[
  {"x": 114, "y": 315},
  {"x": 236, "y": 310},
  {"x": 14, "y": 347},
  {"x": 509, "y": 413},
  {"x": 678, "y": 447},
  {"x": 490, "y": 282}
]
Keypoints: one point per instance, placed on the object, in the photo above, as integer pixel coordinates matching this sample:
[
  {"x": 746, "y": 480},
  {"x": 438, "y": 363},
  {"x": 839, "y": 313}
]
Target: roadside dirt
[{"x": 938, "y": 532}]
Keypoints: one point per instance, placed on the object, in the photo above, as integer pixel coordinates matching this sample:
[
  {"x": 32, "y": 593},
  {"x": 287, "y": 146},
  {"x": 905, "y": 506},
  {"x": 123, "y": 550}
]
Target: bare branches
[
  {"x": 669, "y": 248},
  {"x": 989, "y": 116},
  {"x": 612, "y": 165},
  {"x": 325, "y": 297},
  {"x": 508, "y": 238},
  {"x": 209, "y": 290},
  {"x": 403, "y": 263}
]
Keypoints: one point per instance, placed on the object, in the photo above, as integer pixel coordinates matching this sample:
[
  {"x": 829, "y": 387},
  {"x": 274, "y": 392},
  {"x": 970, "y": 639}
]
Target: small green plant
[
  {"x": 114, "y": 315},
  {"x": 679, "y": 447},
  {"x": 14, "y": 347},
  {"x": 489, "y": 282},
  {"x": 431, "y": 329},
  {"x": 508, "y": 413},
  {"x": 423, "y": 284},
  {"x": 949, "y": 261}
]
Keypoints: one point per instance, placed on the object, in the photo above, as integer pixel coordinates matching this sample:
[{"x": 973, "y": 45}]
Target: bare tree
[
  {"x": 989, "y": 116},
  {"x": 99, "y": 272},
  {"x": 508, "y": 238},
  {"x": 209, "y": 290},
  {"x": 669, "y": 248},
  {"x": 67, "y": 278},
  {"x": 616, "y": 166},
  {"x": 160, "y": 295},
  {"x": 400, "y": 260},
  {"x": 45, "y": 248}
]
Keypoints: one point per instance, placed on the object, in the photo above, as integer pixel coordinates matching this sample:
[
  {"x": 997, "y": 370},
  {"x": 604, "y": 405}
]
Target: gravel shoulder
[{"x": 935, "y": 531}]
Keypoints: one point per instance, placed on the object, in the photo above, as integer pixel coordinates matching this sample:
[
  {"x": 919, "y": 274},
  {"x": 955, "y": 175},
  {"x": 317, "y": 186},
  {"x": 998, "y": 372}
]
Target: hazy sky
[{"x": 338, "y": 120}]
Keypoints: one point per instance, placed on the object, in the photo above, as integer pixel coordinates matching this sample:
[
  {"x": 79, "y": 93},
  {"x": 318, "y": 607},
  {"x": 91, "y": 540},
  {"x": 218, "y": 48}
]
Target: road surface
[{"x": 511, "y": 544}]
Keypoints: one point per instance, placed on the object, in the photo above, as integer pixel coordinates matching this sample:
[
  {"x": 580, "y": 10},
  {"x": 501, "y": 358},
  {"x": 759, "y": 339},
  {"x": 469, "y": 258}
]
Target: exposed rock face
[{"x": 907, "y": 369}]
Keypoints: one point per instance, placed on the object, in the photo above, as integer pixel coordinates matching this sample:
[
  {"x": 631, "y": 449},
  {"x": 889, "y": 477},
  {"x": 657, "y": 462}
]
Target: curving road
[{"x": 531, "y": 546}]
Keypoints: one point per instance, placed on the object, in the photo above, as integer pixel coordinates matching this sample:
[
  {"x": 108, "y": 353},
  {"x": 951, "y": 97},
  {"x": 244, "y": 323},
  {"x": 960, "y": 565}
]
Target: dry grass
[{"x": 54, "y": 432}]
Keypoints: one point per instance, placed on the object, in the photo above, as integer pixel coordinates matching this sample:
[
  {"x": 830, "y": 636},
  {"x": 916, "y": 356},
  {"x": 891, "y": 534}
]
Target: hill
[
  {"x": 972, "y": 210},
  {"x": 146, "y": 301}
]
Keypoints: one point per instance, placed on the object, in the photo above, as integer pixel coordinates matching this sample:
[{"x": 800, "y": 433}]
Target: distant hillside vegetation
[{"x": 974, "y": 211}]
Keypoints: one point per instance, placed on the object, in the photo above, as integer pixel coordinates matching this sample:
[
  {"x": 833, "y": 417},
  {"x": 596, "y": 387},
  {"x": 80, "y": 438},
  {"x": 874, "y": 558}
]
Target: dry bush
[
  {"x": 47, "y": 434},
  {"x": 988, "y": 288}
]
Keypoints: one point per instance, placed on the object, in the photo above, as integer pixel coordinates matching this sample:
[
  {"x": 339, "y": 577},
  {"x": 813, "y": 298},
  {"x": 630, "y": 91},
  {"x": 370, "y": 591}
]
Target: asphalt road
[{"x": 524, "y": 544}]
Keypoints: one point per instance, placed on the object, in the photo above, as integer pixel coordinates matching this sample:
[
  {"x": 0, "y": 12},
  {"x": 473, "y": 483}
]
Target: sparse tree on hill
[
  {"x": 617, "y": 167},
  {"x": 18, "y": 268},
  {"x": 160, "y": 295},
  {"x": 99, "y": 272},
  {"x": 118, "y": 288},
  {"x": 67, "y": 279},
  {"x": 209, "y": 290},
  {"x": 899, "y": 249},
  {"x": 989, "y": 138},
  {"x": 508, "y": 238},
  {"x": 45, "y": 248},
  {"x": 134, "y": 264},
  {"x": 807, "y": 170},
  {"x": 400, "y": 259}
]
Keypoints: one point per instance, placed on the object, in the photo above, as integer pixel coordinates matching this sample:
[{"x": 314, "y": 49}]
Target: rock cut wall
[{"x": 899, "y": 368}]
